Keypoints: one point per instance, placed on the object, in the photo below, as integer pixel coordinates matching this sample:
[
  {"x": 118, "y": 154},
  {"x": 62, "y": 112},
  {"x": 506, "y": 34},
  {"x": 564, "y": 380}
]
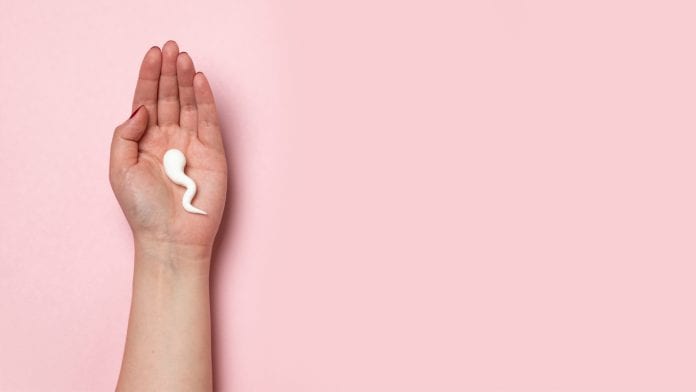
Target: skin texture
[{"x": 168, "y": 343}]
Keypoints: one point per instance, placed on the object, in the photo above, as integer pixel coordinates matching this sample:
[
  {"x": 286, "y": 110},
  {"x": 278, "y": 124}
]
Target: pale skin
[{"x": 168, "y": 345}]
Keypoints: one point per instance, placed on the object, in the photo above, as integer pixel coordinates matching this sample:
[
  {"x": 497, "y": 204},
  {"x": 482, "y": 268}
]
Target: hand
[{"x": 173, "y": 108}]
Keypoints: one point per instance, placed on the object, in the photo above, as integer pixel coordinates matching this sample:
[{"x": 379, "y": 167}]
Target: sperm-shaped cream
[{"x": 174, "y": 162}]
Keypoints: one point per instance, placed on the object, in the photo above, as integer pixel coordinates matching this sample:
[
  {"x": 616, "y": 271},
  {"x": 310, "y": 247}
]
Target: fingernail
[{"x": 135, "y": 111}]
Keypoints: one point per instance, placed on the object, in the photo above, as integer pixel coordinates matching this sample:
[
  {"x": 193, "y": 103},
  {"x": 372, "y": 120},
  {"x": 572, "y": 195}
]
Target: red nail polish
[{"x": 135, "y": 111}]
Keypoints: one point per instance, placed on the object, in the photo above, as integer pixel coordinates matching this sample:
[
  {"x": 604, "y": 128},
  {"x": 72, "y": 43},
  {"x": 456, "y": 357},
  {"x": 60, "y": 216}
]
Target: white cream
[{"x": 174, "y": 162}]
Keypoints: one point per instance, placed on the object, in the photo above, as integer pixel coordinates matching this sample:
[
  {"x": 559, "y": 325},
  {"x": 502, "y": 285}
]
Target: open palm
[{"x": 173, "y": 108}]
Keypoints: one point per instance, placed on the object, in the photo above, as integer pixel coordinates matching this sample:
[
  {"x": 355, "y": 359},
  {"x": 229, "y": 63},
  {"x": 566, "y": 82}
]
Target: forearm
[{"x": 168, "y": 344}]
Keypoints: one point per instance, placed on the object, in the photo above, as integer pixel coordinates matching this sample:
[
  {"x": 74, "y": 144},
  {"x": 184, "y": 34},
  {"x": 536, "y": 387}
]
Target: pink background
[{"x": 426, "y": 196}]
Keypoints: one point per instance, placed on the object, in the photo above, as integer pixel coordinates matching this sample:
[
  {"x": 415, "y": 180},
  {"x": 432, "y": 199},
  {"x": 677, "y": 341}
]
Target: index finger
[{"x": 148, "y": 83}]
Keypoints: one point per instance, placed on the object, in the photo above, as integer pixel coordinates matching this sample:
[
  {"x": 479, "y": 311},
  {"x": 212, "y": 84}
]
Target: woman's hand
[
  {"x": 168, "y": 346},
  {"x": 173, "y": 108}
]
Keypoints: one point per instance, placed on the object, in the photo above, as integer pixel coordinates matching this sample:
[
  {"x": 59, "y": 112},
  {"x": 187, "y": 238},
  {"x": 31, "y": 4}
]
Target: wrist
[{"x": 166, "y": 255}]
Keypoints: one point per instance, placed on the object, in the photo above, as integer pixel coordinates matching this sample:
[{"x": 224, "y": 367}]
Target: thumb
[{"x": 124, "y": 145}]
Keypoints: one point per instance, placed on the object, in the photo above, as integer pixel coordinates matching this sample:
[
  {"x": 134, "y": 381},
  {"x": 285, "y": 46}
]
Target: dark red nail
[{"x": 135, "y": 111}]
